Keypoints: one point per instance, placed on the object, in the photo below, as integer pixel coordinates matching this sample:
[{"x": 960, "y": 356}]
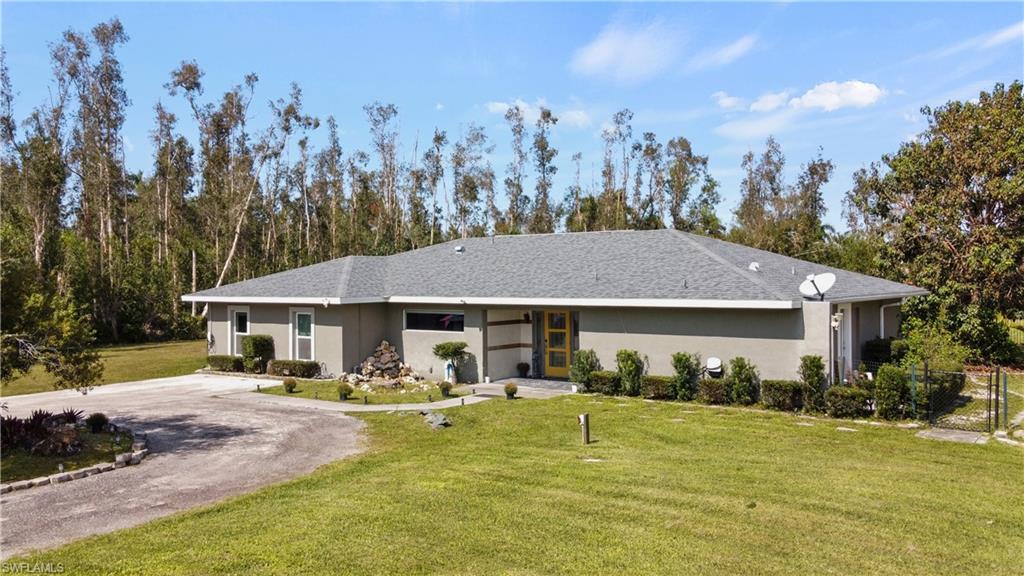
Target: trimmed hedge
[
  {"x": 584, "y": 363},
  {"x": 257, "y": 350},
  {"x": 631, "y": 370},
  {"x": 605, "y": 382},
  {"x": 657, "y": 387},
  {"x": 847, "y": 402},
  {"x": 785, "y": 395},
  {"x": 892, "y": 392},
  {"x": 742, "y": 381},
  {"x": 713, "y": 391},
  {"x": 296, "y": 368},
  {"x": 687, "y": 367},
  {"x": 224, "y": 363}
]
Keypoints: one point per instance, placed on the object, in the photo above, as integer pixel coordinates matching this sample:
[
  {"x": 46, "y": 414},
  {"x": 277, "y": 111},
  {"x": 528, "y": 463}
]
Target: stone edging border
[{"x": 139, "y": 450}]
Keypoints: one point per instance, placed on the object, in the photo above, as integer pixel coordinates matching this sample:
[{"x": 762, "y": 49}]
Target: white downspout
[{"x": 881, "y": 317}]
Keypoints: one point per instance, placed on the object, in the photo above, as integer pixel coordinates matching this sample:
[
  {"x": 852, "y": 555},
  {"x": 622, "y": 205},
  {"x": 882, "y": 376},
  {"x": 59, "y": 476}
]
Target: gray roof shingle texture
[{"x": 656, "y": 264}]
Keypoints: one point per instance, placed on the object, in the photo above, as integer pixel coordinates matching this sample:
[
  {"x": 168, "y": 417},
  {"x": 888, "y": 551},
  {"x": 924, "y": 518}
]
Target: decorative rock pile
[{"x": 385, "y": 363}]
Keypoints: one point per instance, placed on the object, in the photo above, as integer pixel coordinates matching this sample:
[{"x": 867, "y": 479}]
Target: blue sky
[{"x": 849, "y": 78}]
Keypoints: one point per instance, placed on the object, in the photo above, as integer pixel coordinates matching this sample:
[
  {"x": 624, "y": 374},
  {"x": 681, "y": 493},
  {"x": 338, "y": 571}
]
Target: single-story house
[{"x": 538, "y": 298}]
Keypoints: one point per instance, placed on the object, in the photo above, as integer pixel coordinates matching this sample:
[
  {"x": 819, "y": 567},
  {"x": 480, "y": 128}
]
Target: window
[
  {"x": 302, "y": 334},
  {"x": 239, "y": 329},
  {"x": 436, "y": 321}
]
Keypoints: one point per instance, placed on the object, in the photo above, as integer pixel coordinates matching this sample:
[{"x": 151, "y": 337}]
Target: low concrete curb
[{"x": 140, "y": 449}]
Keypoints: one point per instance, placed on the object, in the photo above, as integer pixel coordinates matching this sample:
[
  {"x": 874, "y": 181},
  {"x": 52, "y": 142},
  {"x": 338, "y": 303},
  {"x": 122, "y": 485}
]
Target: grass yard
[
  {"x": 125, "y": 364},
  {"x": 328, "y": 390},
  {"x": 18, "y": 464},
  {"x": 667, "y": 488}
]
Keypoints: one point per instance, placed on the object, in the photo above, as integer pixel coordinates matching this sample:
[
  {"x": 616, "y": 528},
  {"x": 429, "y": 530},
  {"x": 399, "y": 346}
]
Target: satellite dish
[
  {"x": 816, "y": 285},
  {"x": 714, "y": 366}
]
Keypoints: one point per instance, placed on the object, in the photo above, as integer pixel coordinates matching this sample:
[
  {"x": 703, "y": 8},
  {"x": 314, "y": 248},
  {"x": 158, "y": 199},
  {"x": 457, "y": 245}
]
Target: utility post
[{"x": 584, "y": 420}]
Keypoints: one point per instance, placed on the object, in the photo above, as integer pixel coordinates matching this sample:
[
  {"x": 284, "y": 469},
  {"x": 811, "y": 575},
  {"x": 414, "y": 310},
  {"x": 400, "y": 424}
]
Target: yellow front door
[{"x": 557, "y": 344}]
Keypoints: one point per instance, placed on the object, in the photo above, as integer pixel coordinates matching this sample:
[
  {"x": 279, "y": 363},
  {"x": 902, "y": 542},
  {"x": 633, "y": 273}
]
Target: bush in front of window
[
  {"x": 224, "y": 363},
  {"x": 296, "y": 368},
  {"x": 257, "y": 350},
  {"x": 743, "y": 381},
  {"x": 451, "y": 351}
]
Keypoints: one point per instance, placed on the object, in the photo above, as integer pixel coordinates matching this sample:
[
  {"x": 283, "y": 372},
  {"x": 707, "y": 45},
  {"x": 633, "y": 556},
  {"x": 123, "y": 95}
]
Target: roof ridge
[
  {"x": 344, "y": 275},
  {"x": 743, "y": 272}
]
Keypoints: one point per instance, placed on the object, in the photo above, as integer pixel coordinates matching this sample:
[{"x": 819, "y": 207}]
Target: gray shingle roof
[{"x": 656, "y": 264}]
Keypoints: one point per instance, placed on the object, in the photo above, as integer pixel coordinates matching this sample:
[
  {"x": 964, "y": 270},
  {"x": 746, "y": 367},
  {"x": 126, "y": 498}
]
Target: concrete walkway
[{"x": 962, "y": 436}]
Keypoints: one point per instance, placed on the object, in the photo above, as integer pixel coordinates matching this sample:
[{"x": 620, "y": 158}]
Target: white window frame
[
  {"x": 293, "y": 336},
  {"x": 231, "y": 327},
  {"x": 405, "y": 320}
]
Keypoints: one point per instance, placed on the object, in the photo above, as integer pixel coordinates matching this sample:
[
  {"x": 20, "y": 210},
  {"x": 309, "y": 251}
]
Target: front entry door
[{"x": 557, "y": 342}]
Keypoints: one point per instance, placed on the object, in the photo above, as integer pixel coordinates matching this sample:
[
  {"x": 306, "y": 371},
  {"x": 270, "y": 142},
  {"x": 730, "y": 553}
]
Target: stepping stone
[
  {"x": 961, "y": 436},
  {"x": 844, "y": 429},
  {"x": 908, "y": 425},
  {"x": 678, "y": 420},
  {"x": 804, "y": 424},
  {"x": 593, "y": 460}
]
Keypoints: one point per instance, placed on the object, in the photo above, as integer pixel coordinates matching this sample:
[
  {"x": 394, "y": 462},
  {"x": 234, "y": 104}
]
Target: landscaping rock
[
  {"x": 105, "y": 467},
  {"x": 136, "y": 446},
  {"x": 91, "y": 471},
  {"x": 76, "y": 474},
  {"x": 5, "y": 488},
  {"x": 435, "y": 420},
  {"x": 58, "y": 478},
  {"x": 21, "y": 485},
  {"x": 385, "y": 363},
  {"x": 40, "y": 481}
]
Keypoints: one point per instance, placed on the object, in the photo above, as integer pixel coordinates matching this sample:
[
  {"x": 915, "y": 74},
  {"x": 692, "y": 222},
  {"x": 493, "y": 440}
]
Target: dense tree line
[{"x": 86, "y": 240}]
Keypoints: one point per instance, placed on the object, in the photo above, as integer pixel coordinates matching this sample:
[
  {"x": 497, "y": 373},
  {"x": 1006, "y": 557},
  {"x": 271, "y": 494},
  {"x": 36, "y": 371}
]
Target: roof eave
[
  {"x": 325, "y": 301},
  {"x": 880, "y": 296},
  {"x": 601, "y": 302}
]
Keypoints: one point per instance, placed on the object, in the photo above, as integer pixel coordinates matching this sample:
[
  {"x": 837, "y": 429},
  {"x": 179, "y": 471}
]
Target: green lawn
[
  {"x": 666, "y": 489},
  {"x": 328, "y": 390},
  {"x": 20, "y": 465},
  {"x": 125, "y": 364}
]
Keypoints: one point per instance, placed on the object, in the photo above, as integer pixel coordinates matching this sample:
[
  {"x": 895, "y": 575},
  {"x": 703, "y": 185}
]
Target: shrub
[
  {"x": 656, "y": 387},
  {"x": 510, "y": 390},
  {"x": 687, "y": 368},
  {"x": 847, "y": 402},
  {"x": 933, "y": 344},
  {"x": 631, "y": 370},
  {"x": 605, "y": 382},
  {"x": 584, "y": 363},
  {"x": 296, "y": 368},
  {"x": 257, "y": 350},
  {"x": 812, "y": 377},
  {"x": 344, "y": 391},
  {"x": 71, "y": 416},
  {"x": 523, "y": 369},
  {"x": 892, "y": 392},
  {"x": 289, "y": 385},
  {"x": 742, "y": 381},
  {"x": 224, "y": 363},
  {"x": 96, "y": 422},
  {"x": 453, "y": 351},
  {"x": 878, "y": 351},
  {"x": 712, "y": 391},
  {"x": 445, "y": 387},
  {"x": 782, "y": 394},
  {"x": 12, "y": 431}
]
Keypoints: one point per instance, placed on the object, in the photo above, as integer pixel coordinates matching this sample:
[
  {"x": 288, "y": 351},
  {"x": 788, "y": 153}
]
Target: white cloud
[
  {"x": 574, "y": 118},
  {"x": 724, "y": 55},
  {"x": 725, "y": 101},
  {"x": 757, "y": 127},
  {"x": 831, "y": 96},
  {"x": 439, "y": 106},
  {"x": 769, "y": 101},
  {"x": 626, "y": 55},
  {"x": 985, "y": 41}
]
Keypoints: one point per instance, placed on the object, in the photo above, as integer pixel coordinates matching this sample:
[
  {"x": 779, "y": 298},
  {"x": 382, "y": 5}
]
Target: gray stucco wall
[
  {"x": 415, "y": 347},
  {"x": 773, "y": 340}
]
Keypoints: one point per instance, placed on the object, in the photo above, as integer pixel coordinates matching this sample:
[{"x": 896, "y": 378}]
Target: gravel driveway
[{"x": 207, "y": 442}]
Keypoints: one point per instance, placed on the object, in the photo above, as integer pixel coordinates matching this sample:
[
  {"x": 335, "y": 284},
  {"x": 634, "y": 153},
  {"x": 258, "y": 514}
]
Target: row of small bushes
[
  {"x": 295, "y": 368},
  {"x": 889, "y": 395}
]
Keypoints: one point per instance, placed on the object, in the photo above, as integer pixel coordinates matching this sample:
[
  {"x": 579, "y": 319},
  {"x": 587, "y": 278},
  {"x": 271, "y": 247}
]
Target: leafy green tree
[
  {"x": 949, "y": 207},
  {"x": 542, "y": 219}
]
